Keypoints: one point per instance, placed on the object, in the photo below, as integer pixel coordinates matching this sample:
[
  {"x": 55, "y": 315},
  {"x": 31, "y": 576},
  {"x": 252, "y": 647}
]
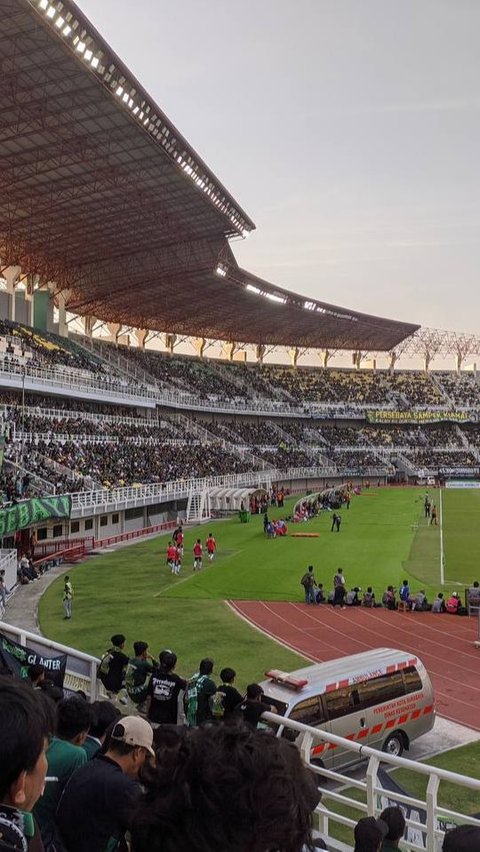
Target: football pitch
[{"x": 384, "y": 538}]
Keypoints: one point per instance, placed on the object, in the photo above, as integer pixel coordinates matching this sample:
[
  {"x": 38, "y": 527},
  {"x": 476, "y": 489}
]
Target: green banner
[
  {"x": 33, "y": 511},
  {"x": 416, "y": 417}
]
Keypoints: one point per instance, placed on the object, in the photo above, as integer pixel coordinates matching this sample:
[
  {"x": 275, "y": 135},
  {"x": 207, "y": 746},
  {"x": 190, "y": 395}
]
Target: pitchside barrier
[{"x": 426, "y": 819}]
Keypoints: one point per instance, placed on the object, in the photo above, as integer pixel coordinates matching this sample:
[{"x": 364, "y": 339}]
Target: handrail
[{"x": 372, "y": 787}]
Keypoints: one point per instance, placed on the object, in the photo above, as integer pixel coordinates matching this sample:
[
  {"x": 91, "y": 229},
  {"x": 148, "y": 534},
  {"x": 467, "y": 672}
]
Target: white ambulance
[{"x": 381, "y": 698}]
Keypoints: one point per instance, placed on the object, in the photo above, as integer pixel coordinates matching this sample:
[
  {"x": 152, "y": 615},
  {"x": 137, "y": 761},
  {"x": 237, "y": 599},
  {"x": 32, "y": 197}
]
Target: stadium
[{"x": 150, "y": 385}]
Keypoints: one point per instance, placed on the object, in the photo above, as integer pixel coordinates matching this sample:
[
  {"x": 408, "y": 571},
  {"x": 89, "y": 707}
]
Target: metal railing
[{"x": 430, "y": 833}]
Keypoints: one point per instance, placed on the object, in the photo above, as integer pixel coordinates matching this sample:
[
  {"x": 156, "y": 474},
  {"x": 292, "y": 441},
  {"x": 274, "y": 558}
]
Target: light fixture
[{"x": 221, "y": 271}]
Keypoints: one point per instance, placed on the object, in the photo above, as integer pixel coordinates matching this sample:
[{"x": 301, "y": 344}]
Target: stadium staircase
[
  {"x": 38, "y": 484},
  {"x": 108, "y": 354},
  {"x": 193, "y": 427},
  {"x": 198, "y": 507},
  {"x": 466, "y": 443}
]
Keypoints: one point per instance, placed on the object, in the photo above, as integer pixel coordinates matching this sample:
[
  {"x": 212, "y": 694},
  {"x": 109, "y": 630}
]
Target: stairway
[{"x": 198, "y": 507}]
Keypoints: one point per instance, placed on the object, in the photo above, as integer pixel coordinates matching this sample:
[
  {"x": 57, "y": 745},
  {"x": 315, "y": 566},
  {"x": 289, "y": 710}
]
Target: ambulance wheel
[{"x": 394, "y": 744}]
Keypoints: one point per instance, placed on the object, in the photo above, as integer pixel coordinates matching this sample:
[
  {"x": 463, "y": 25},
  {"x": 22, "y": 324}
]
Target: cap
[
  {"x": 134, "y": 731},
  {"x": 369, "y": 832}
]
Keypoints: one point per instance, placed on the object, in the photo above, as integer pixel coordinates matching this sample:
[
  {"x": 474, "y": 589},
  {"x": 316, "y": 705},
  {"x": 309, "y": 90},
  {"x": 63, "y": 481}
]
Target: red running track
[{"x": 444, "y": 643}]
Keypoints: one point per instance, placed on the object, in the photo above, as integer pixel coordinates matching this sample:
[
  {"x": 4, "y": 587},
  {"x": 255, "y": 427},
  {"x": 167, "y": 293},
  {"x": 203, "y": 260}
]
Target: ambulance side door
[{"x": 311, "y": 711}]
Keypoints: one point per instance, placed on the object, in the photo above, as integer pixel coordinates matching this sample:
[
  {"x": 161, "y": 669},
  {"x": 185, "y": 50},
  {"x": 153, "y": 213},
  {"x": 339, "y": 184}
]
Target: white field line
[{"x": 442, "y": 555}]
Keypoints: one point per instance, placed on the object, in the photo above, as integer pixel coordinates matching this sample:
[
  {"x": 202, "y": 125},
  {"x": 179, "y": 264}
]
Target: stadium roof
[{"x": 101, "y": 194}]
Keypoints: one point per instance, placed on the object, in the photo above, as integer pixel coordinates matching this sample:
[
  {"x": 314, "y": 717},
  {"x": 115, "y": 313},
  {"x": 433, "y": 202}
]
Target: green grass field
[{"x": 384, "y": 539}]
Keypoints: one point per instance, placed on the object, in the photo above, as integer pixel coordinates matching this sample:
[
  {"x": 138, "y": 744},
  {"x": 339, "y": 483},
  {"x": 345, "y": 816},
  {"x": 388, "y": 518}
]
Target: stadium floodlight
[
  {"x": 254, "y": 289},
  {"x": 119, "y": 91},
  {"x": 88, "y": 55},
  {"x": 44, "y": 4},
  {"x": 51, "y": 12},
  {"x": 81, "y": 46},
  {"x": 275, "y": 298},
  {"x": 221, "y": 271},
  {"x": 66, "y": 32},
  {"x": 94, "y": 62},
  {"x": 245, "y": 233},
  {"x": 59, "y": 22}
]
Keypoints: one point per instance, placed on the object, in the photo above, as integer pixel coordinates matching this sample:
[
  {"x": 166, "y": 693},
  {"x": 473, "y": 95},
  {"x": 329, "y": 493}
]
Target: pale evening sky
[{"x": 349, "y": 130}]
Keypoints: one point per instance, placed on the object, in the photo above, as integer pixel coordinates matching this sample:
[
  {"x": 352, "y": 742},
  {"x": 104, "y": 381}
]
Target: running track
[{"x": 444, "y": 644}]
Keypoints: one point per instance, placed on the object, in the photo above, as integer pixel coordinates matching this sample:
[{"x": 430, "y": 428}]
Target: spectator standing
[
  {"x": 113, "y": 664},
  {"x": 24, "y": 729},
  {"x": 64, "y": 755},
  {"x": 104, "y": 714},
  {"x": 67, "y": 598},
  {"x": 95, "y": 810},
  {"x": 137, "y": 674},
  {"x": 254, "y": 705},
  {"x": 395, "y": 821},
  {"x": 433, "y": 518},
  {"x": 405, "y": 592},
  {"x": 199, "y": 695},
  {"x": 227, "y": 697},
  {"x": 308, "y": 582},
  {"x": 164, "y": 692}
]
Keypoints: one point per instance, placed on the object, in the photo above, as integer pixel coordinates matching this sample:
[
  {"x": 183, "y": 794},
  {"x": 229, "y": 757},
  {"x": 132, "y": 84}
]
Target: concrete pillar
[
  {"x": 294, "y": 353},
  {"x": 230, "y": 349},
  {"x": 326, "y": 357},
  {"x": 170, "y": 341},
  {"x": 260, "y": 353},
  {"x": 12, "y": 275},
  {"x": 88, "y": 324},
  {"x": 393, "y": 360},
  {"x": 141, "y": 334},
  {"x": 30, "y": 283},
  {"x": 114, "y": 329},
  {"x": 200, "y": 344},
  {"x": 428, "y": 359},
  {"x": 459, "y": 361},
  {"x": 62, "y": 299}
]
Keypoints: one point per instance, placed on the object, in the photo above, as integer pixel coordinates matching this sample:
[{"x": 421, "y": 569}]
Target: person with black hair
[
  {"x": 395, "y": 820},
  {"x": 164, "y": 692},
  {"x": 113, "y": 664},
  {"x": 254, "y": 706},
  {"x": 463, "y": 838},
  {"x": 227, "y": 698},
  {"x": 226, "y": 788},
  {"x": 67, "y": 597},
  {"x": 95, "y": 810},
  {"x": 199, "y": 695},
  {"x": 104, "y": 714},
  {"x": 137, "y": 674},
  {"x": 369, "y": 834},
  {"x": 27, "y": 721},
  {"x": 36, "y": 675},
  {"x": 64, "y": 756}
]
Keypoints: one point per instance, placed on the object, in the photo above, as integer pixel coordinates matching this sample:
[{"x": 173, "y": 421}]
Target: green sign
[
  {"x": 33, "y": 511},
  {"x": 419, "y": 417}
]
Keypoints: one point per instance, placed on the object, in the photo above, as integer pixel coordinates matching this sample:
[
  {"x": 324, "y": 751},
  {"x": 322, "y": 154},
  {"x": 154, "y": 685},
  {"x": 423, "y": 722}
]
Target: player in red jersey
[
  {"x": 211, "y": 546},
  {"x": 171, "y": 556},
  {"x": 197, "y": 555},
  {"x": 178, "y": 559},
  {"x": 180, "y": 538}
]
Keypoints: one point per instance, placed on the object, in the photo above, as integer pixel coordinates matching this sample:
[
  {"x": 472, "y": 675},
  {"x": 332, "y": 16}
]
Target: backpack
[
  {"x": 218, "y": 710},
  {"x": 104, "y": 667},
  {"x": 193, "y": 690}
]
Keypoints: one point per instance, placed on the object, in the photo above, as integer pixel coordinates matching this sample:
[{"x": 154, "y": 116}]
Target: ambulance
[{"x": 381, "y": 698}]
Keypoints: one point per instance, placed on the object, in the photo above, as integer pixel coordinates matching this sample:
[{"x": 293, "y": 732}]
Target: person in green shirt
[
  {"x": 64, "y": 755},
  {"x": 138, "y": 672},
  {"x": 393, "y": 817}
]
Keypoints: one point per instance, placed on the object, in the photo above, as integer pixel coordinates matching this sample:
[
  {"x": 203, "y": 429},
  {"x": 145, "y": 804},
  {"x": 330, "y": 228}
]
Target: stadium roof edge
[{"x": 188, "y": 161}]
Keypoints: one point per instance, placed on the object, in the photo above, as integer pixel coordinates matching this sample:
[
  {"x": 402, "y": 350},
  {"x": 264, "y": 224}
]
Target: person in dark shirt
[
  {"x": 231, "y": 696},
  {"x": 104, "y": 713},
  {"x": 137, "y": 674},
  {"x": 199, "y": 695},
  {"x": 163, "y": 692},
  {"x": 254, "y": 705},
  {"x": 113, "y": 665},
  {"x": 95, "y": 810}
]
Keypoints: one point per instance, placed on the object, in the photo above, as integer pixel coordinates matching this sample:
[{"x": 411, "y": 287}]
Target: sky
[{"x": 348, "y": 130}]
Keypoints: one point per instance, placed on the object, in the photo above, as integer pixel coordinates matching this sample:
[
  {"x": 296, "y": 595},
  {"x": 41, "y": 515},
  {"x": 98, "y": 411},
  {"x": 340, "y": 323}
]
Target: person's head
[
  {"x": 118, "y": 640},
  {"x": 320, "y": 585},
  {"x": 440, "y": 595},
  {"x": 475, "y": 584},
  {"x": 206, "y": 666},
  {"x": 170, "y": 544},
  {"x": 103, "y": 714},
  {"x": 168, "y": 660},
  {"x": 369, "y": 834},
  {"x": 24, "y": 729},
  {"x": 340, "y": 570},
  {"x": 464, "y": 838},
  {"x": 369, "y": 590},
  {"x": 36, "y": 673},
  {"x": 210, "y": 535},
  {"x": 395, "y": 821},
  {"x": 130, "y": 744},
  {"x": 67, "y": 578},
  {"x": 405, "y": 582},
  {"x": 254, "y": 692},
  {"x": 73, "y": 720},
  {"x": 198, "y": 541},
  {"x": 228, "y": 675},
  {"x": 252, "y": 789},
  {"x": 310, "y": 568},
  {"x": 140, "y": 649},
  {"x": 389, "y": 588}
]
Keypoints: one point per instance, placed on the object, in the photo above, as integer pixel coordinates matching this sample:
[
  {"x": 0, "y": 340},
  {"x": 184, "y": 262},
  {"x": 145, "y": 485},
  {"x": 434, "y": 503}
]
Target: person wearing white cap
[{"x": 94, "y": 812}]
